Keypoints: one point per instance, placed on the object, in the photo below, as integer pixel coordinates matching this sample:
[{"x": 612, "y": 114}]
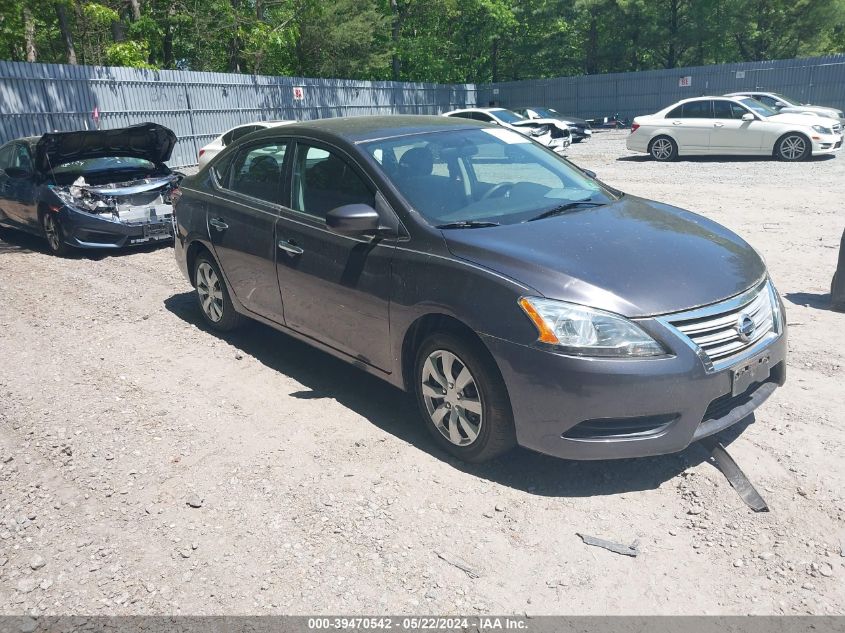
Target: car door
[
  {"x": 242, "y": 223},
  {"x": 731, "y": 134},
  {"x": 19, "y": 188},
  {"x": 335, "y": 288},
  {"x": 5, "y": 202},
  {"x": 692, "y": 126}
]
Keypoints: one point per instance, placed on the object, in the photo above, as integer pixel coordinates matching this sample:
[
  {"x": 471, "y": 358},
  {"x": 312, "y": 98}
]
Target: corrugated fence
[
  {"x": 817, "y": 80},
  {"x": 197, "y": 106}
]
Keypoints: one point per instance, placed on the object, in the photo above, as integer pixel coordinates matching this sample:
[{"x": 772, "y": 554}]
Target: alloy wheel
[
  {"x": 51, "y": 229},
  {"x": 793, "y": 147},
  {"x": 209, "y": 291},
  {"x": 661, "y": 149},
  {"x": 452, "y": 398}
]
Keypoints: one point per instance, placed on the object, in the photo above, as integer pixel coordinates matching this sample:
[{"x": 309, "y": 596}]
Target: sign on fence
[
  {"x": 298, "y": 93},
  {"x": 685, "y": 82}
]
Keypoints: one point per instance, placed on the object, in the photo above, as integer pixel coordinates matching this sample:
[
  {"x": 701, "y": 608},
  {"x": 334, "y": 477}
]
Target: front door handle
[
  {"x": 676, "y": 122},
  {"x": 718, "y": 125},
  {"x": 220, "y": 225},
  {"x": 293, "y": 249}
]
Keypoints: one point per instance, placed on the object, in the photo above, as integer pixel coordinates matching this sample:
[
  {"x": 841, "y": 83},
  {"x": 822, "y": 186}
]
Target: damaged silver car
[{"x": 101, "y": 189}]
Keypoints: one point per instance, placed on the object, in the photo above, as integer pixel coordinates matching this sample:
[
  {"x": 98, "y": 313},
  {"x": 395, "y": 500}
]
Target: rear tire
[
  {"x": 663, "y": 149},
  {"x": 54, "y": 235},
  {"x": 793, "y": 147},
  {"x": 213, "y": 296},
  {"x": 463, "y": 398}
]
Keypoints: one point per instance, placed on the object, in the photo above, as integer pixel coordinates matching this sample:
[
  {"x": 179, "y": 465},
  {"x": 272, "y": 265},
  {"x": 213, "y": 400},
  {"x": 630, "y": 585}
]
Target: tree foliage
[{"x": 418, "y": 40}]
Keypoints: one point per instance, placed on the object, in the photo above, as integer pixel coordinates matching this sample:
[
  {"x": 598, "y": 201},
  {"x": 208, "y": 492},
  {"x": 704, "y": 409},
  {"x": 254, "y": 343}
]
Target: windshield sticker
[{"x": 512, "y": 138}]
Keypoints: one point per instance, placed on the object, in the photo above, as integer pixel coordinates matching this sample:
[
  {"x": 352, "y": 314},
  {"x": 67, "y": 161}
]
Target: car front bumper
[
  {"x": 593, "y": 408},
  {"x": 826, "y": 144},
  {"x": 86, "y": 230}
]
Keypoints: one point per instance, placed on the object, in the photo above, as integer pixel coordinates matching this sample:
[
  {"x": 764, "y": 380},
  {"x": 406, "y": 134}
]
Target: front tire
[
  {"x": 54, "y": 234},
  {"x": 793, "y": 147},
  {"x": 213, "y": 297},
  {"x": 463, "y": 398},
  {"x": 663, "y": 149}
]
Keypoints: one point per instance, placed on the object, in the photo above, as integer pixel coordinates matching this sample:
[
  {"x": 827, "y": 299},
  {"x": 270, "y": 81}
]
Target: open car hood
[{"x": 149, "y": 141}]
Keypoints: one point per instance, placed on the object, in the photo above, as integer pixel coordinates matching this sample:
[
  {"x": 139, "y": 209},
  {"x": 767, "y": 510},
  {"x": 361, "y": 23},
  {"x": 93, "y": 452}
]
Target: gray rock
[
  {"x": 695, "y": 510},
  {"x": 738, "y": 562},
  {"x": 27, "y": 625},
  {"x": 27, "y": 584},
  {"x": 37, "y": 562},
  {"x": 195, "y": 501}
]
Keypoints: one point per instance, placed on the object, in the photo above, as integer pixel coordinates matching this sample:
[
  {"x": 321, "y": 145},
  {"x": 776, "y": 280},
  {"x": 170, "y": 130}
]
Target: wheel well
[
  {"x": 191, "y": 255},
  {"x": 419, "y": 331},
  {"x": 790, "y": 133}
]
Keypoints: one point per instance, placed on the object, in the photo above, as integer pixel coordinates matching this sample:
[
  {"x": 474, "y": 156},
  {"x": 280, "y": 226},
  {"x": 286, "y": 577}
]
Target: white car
[
  {"x": 552, "y": 133},
  {"x": 784, "y": 104},
  {"x": 217, "y": 145},
  {"x": 731, "y": 126}
]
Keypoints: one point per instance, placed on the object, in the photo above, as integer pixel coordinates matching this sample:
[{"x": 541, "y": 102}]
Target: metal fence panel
[
  {"x": 197, "y": 106},
  {"x": 818, "y": 80}
]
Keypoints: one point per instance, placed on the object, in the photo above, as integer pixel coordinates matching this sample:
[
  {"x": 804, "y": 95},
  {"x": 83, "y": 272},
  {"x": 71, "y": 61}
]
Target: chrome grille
[{"x": 715, "y": 329}]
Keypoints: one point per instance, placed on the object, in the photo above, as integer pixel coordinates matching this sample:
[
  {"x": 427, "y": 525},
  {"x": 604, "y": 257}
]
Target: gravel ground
[{"x": 150, "y": 466}]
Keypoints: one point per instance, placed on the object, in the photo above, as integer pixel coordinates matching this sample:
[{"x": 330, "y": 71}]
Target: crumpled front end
[
  {"x": 119, "y": 214},
  {"x": 552, "y": 133}
]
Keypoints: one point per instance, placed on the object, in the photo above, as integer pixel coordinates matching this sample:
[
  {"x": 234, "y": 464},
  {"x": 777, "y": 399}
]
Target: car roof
[
  {"x": 361, "y": 129},
  {"x": 478, "y": 110}
]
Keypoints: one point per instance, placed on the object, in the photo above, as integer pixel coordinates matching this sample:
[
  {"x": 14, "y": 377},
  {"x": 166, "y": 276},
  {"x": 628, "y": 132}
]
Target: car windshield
[
  {"x": 546, "y": 113},
  {"x": 108, "y": 163},
  {"x": 484, "y": 175},
  {"x": 507, "y": 116},
  {"x": 760, "y": 108},
  {"x": 786, "y": 100}
]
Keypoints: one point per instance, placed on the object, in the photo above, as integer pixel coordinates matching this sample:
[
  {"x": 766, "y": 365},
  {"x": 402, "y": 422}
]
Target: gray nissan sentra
[{"x": 521, "y": 300}]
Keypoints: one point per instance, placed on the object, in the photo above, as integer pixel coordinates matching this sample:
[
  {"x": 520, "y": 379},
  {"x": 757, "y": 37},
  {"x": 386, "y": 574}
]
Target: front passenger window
[
  {"x": 324, "y": 181},
  {"x": 257, "y": 172}
]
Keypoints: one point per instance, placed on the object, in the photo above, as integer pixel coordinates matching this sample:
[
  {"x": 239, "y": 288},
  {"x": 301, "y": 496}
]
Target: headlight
[
  {"x": 584, "y": 331},
  {"x": 822, "y": 130}
]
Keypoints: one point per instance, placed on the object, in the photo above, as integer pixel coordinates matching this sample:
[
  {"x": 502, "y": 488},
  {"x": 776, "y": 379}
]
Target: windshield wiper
[
  {"x": 563, "y": 208},
  {"x": 466, "y": 224}
]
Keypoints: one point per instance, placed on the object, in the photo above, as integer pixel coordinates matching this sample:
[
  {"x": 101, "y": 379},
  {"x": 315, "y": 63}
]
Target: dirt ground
[{"x": 150, "y": 466}]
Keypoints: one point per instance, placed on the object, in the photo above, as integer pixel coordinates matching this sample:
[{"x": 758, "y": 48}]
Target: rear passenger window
[
  {"x": 697, "y": 110},
  {"x": 257, "y": 172},
  {"x": 323, "y": 181},
  {"x": 676, "y": 113}
]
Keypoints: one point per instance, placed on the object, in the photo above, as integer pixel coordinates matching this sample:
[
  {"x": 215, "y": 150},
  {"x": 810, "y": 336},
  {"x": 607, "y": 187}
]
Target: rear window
[{"x": 108, "y": 163}]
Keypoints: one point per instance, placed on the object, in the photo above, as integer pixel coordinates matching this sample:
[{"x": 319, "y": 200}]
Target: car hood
[
  {"x": 149, "y": 141},
  {"x": 799, "y": 118},
  {"x": 534, "y": 122},
  {"x": 634, "y": 257},
  {"x": 828, "y": 112}
]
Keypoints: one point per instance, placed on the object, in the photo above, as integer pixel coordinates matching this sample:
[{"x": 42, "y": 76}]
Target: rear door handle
[
  {"x": 220, "y": 225},
  {"x": 293, "y": 249},
  {"x": 718, "y": 125},
  {"x": 676, "y": 122}
]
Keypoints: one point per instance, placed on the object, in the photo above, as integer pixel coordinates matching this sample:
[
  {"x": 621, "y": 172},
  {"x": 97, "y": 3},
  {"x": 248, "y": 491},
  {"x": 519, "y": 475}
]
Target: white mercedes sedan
[{"x": 731, "y": 126}]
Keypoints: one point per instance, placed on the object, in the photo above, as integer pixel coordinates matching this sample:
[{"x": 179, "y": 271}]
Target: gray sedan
[{"x": 521, "y": 300}]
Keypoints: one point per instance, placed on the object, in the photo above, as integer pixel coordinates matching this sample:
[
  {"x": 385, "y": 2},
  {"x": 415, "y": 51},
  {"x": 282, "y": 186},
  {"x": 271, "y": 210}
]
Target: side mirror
[
  {"x": 590, "y": 173},
  {"x": 353, "y": 219},
  {"x": 17, "y": 172},
  {"x": 748, "y": 117},
  {"x": 779, "y": 105}
]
